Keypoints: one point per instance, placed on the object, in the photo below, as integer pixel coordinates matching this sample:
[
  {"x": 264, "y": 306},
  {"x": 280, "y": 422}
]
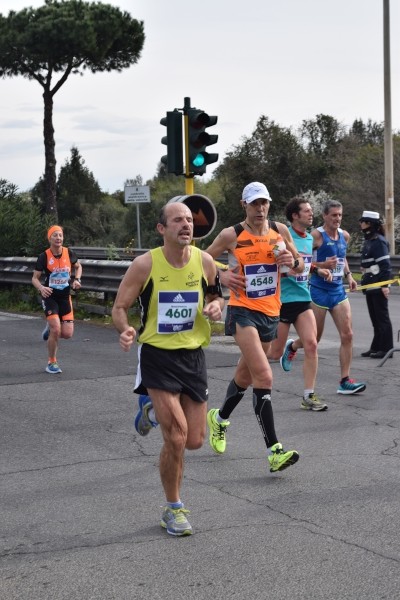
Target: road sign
[
  {"x": 137, "y": 194},
  {"x": 203, "y": 211}
]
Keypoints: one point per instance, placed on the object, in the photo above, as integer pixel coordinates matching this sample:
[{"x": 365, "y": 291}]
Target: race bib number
[
  {"x": 338, "y": 271},
  {"x": 261, "y": 280},
  {"x": 301, "y": 277},
  {"x": 59, "y": 280},
  {"x": 176, "y": 311}
]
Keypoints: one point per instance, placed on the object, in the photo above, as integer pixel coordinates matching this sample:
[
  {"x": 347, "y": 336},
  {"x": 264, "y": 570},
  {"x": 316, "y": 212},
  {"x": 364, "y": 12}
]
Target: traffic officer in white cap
[{"x": 376, "y": 267}]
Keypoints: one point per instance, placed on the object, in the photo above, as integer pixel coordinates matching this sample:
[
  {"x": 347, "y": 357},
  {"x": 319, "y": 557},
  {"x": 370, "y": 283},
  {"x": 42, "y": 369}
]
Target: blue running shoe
[
  {"x": 287, "y": 356},
  {"x": 46, "y": 333},
  {"x": 143, "y": 424},
  {"x": 53, "y": 368},
  {"x": 350, "y": 386}
]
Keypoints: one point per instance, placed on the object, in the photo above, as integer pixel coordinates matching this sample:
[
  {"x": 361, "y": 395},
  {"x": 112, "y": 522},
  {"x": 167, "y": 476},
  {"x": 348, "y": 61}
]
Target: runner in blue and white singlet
[
  {"x": 330, "y": 245},
  {"x": 328, "y": 294}
]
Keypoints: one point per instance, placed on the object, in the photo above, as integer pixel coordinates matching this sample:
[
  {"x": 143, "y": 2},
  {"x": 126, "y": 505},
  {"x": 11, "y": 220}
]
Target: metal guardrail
[
  {"x": 111, "y": 253},
  {"x": 104, "y": 276},
  {"x": 99, "y": 275},
  {"x": 120, "y": 253}
]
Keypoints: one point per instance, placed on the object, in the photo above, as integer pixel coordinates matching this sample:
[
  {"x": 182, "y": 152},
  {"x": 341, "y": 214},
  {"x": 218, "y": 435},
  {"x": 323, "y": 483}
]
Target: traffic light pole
[{"x": 189, "y": 177}]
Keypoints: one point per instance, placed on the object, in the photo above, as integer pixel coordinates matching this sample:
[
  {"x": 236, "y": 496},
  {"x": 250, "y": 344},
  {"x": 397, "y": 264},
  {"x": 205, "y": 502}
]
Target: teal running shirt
[{"x": 294, "y": 288}]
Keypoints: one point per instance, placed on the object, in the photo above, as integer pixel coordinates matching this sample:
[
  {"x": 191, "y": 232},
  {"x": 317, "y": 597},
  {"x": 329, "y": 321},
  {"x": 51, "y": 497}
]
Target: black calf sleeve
[
  {"x": 263, "y": 408},
  {"x": 234, "y": 394}
]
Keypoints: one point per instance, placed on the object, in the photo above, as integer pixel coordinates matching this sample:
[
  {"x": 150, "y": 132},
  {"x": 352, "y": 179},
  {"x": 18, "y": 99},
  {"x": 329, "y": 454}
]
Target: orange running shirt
[{"x": 254, "y": 257}]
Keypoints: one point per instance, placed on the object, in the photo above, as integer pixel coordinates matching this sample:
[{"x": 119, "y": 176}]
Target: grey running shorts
[{"x": 265, "y": 325}]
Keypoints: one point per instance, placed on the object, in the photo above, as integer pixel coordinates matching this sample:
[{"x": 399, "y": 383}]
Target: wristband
[
  {"x": 347, "y": 274},
  {"x": 78, "y": 280}
]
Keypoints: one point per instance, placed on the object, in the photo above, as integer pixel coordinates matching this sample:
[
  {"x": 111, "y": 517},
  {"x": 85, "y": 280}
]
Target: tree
[
  {"x": 273, "y": 155},
  {"x": 368, "y": 133},
  {"x": 22, "y": 227},
  {"x": 60, "y": 38},
  {"x": 321, "y": 134},
  {"x": 320, "y": 137},
  {"x": 76, "y": 186}
]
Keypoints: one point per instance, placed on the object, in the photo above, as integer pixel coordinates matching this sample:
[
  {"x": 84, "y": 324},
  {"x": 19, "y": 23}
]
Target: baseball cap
[
  {"x": 370, "y": 216},
  {"x": 255, "y": 190}
]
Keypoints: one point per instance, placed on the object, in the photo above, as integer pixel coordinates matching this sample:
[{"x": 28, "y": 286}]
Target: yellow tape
[
  {"x": 360, "y": 287},
  {"x": 378, "y": 284}
]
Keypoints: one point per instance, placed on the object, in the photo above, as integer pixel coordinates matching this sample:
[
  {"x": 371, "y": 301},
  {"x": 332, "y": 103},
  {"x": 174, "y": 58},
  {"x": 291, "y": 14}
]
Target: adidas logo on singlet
[
  {"x": 179, "y": 298},
  {"x": 261, "y": 270}
]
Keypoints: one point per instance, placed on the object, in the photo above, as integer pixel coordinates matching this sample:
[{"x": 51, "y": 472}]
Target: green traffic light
[{"x": 199, "y": 160}]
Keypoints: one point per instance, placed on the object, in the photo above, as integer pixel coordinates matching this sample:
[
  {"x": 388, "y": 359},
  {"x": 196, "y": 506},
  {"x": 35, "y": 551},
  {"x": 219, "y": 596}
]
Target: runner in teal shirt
[{"x": 296, "y": 307}]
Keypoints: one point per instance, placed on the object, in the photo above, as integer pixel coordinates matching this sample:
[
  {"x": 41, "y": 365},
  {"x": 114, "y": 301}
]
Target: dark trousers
[{"x": 378, "y": 308}]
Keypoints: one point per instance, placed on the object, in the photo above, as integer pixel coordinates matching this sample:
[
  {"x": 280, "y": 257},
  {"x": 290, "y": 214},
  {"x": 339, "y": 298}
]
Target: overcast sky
[{"x": 287, "y": 59}]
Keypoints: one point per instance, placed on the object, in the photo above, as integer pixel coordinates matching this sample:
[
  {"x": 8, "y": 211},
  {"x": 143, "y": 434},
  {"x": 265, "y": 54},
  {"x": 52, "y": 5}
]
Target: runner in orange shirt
[{"x": 56, "y": 263}]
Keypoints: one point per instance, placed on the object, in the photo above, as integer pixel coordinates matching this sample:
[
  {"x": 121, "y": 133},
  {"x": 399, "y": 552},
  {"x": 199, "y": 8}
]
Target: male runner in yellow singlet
[{"x": 178, "y": 290}]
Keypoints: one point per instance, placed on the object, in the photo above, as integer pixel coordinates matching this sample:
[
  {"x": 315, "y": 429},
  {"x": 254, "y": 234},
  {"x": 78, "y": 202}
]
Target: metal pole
[
  {"x": 388, "y": 138},
  {"x": 139, "y": 244},
  {"x": 189, "y": 177}
]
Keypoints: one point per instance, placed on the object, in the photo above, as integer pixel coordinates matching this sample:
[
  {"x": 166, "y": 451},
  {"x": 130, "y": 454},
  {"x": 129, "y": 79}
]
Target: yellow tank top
[
  {"x": 255, "y": 259},
  {"x": 171, "y": 303}
]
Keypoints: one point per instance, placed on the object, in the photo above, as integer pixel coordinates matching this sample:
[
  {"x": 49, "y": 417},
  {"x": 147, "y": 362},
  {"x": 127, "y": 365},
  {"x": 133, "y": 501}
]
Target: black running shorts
[
  {"x": 291, "y": 310},
  {"x": 177, "y": 371}
]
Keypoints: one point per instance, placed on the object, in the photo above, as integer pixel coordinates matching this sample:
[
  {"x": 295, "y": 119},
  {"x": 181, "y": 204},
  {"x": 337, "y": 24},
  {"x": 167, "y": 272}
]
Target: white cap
[
  {"x": 254, "y": 191},
  {"x": 369, "y": 215}
]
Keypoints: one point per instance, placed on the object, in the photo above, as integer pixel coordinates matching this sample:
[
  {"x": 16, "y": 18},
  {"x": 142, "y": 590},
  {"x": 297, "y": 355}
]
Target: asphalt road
[{"x": 80, "y": 497}]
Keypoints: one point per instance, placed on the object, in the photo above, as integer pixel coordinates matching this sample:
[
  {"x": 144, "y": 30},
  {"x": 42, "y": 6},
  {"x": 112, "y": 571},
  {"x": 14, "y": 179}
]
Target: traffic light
[
  {"x": 198, "y": 139},
  {"x": 173, "y": 140}
]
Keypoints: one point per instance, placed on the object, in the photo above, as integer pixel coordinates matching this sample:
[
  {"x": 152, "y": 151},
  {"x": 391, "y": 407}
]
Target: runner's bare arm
[
  {"x": 226, "y": 240},
  {"x": 285, "y": 233},
  {"x": 128, "y": 291},
  {"x": 214, "y": 300}
]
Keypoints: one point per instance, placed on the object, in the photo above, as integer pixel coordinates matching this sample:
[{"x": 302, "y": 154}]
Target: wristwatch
[{"x": 296, "y": 263}]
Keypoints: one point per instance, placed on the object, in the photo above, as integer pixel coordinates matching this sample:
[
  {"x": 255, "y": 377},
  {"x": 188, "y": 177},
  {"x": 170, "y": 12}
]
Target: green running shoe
[
  {"x": 280, "y": 459},
  {"x": 175, "y": 522},
  {"x": 217, "y": 437}
]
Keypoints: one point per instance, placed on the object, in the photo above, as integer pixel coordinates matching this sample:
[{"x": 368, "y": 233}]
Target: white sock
[
  {"x": 219, "y": 419},
  {"x": 174, "y": 505},
  {"x": 307, "y": 393}
]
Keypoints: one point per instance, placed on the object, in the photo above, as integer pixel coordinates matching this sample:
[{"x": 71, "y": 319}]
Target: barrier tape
[
  {"x": 360, "y": 287},
  {"x": 378, "y": 284}
]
